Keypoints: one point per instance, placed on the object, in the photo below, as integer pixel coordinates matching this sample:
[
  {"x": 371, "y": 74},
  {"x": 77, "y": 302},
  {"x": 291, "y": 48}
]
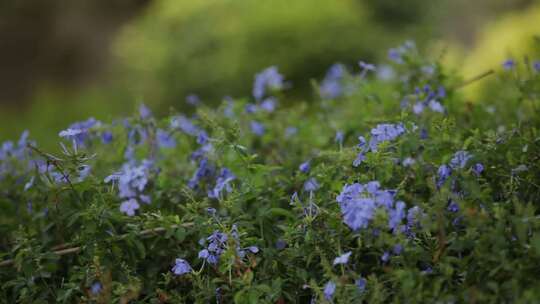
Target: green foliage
[{"x": 64, "y": 230}]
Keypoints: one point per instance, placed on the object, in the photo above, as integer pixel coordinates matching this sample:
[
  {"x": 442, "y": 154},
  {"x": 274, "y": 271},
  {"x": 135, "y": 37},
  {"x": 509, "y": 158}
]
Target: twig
[
  {"x": 474, "y": 79},
  {"x": 77, "y": 249}
]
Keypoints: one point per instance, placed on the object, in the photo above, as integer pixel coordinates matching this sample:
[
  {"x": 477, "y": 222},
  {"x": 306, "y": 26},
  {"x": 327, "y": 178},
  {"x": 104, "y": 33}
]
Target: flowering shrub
[{"x": 388, "y": 187}]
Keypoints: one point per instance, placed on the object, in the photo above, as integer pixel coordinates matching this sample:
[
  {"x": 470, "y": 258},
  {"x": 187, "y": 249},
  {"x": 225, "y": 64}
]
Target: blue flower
[
  {"x": 509, "y": 64},
  {"x": 408, "y": 161},
  {"x": 83, "y": 127},
  {"x": 128, "y": 207},
  {"x": 361, "y": 284},
  {"x": 331, "y": 86},
  {"x": 84, "y": 171},
  {"x": 435, "y": 106},
  {"x": 96, "y": 288},
  {"x": 18, "y": 151},
  {"x": 359, "y": 159},
  {"x": 339, "y": 137},
  {"x": 379, "y": 134},
  {"x": 165, "y": 139},
  {"x": 478, "y": 168},
  {"x": 251, "y": 108},
  {"x": 372, "y": 187},
  {"x": 228, "y": 111},
  {"x": 29, "y": 184},
  {"x": 193, "y": 100},
  {"x": 145, "y": 199},
  {"x": 384, "y": 132},
  {"x": 268, "y": 79},
  {"x": 211, "y": 211},
  {"x": 202, "y": 138},
  {"x": 257, "y": 128},
  {"x": 222, "y": 183},
  {"x": 418, "y": 108},
  {"x": 204, "y": 170},
  {"x": 453, "y": 206},
  {"x": 203, "y": 254},
  {"x": 443, "y": 173},
  {"x": 70, "y": 133},
  {"x": 336, "y": 71},
  {"x": 132, "y": 179},
  {"x": 144, "y": 111},
  {"x": 358, "y": 204},
  {"x": 331, "y": 89},
  {"x": 362, "y": 141},
  {"x": 366, "y": 66},
  {"x": 329, "y": 290},
  {"x": 536, "y": 66},
  {"x": 217, "y": 243},
  {"x": 184, "y": 124},
  {"x": 304, "y": 167},
  {"x": 202, "y": 151},
  {"x": 253, "y": 249},
  {"x": 358, "y": 212},
  {"x": 342, "y": 259},
  {"x": 394, "y": 54},
  {"x": 137, "y": 135},
  {"x": 398, "y": 249},
  {"x": 349, "y": 192},
  {"x": 459, "y": 160},
  {"x": 269, "y": 104},
  {"x": 181, "y": 267},
  {"x": 385, "y": 257},
  {"x": 424, "y": 133},
  {"x": 413, "y": 216},
  {"x": 428, "y": 70},
  {"x": 106, "y": 137},
  {"x": 281, "y": 244},
  {"x": 396, "y": 215},
  {"x": 441, "y": 92},
  {"x": 311, "y": 185},
  {"x": 291, "y": 131}
]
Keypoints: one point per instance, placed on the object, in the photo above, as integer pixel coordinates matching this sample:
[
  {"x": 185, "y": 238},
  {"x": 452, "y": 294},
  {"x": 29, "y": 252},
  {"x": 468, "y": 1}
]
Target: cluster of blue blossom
[
  {"x": 458, "y": 161},
  {"x": 205, "y": 171},
  {"x": 381, "y": 133},
  {"x": 134, "y": 176},
  {"x": 266, "y": 82},
  {"x": 332, "y": 85},
  {"x": 185, "y": 125},
  {"x": 214, "y": 246},
  {"x": 78, "y": 132},
  {"x": 399, "y": 54},
  {"x": 11, "y": 151},
  {"x": 217, "y": 243},
  {"x": 132, "y": 181},
  {"x": 359, "y": 203},
  {"x": 427, "y": 98}
]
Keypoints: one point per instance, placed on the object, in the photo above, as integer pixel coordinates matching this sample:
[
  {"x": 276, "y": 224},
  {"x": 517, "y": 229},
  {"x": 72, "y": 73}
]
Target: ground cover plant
[{"x": 388, "y": 186}]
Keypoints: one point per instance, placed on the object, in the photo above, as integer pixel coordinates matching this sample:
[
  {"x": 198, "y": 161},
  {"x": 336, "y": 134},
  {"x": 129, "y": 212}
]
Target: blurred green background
[{"x": 63, "y": 61}]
